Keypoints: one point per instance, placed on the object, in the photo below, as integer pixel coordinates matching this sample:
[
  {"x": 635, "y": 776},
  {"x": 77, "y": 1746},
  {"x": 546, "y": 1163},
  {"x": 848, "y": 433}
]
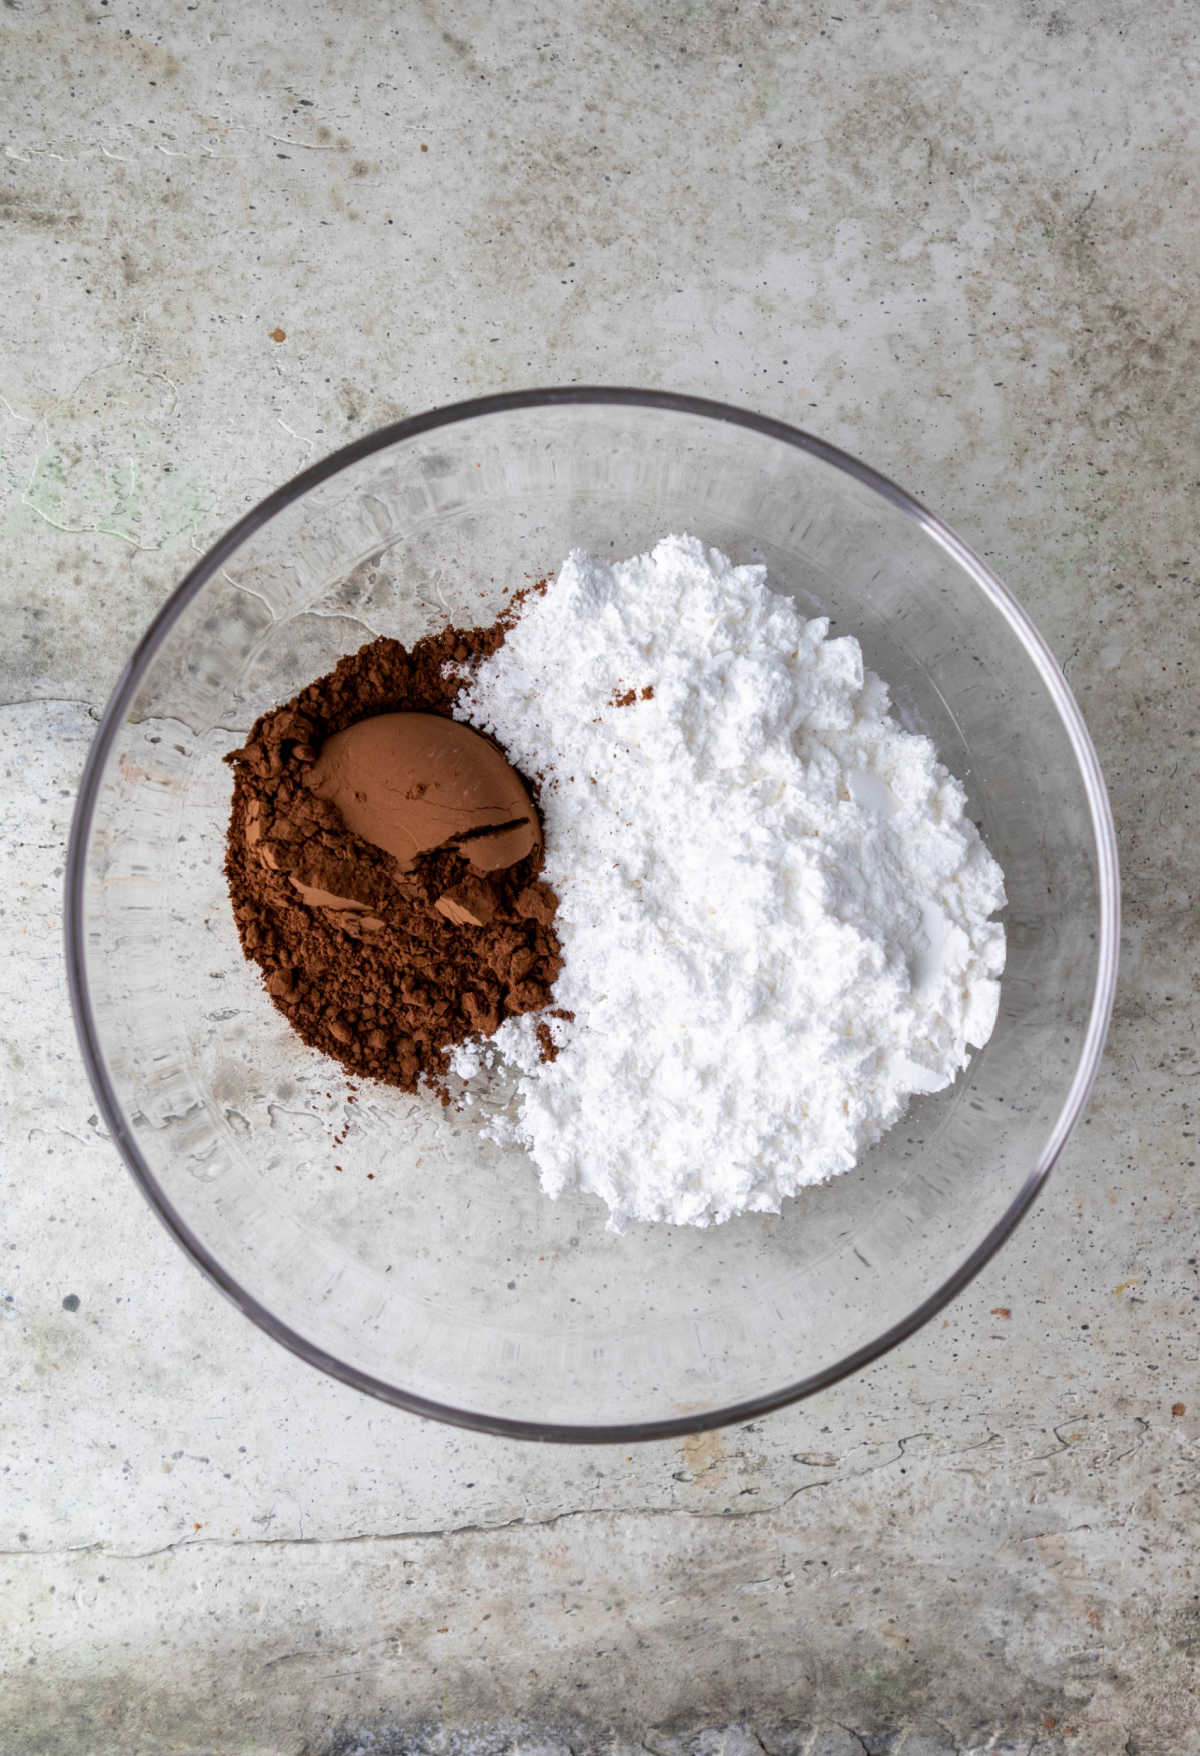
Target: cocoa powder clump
[{"x": 384, "y": 966}]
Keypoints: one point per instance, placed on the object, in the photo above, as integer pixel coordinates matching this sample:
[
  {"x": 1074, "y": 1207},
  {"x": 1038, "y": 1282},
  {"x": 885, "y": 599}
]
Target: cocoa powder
[{"x": 382, "y": 965}]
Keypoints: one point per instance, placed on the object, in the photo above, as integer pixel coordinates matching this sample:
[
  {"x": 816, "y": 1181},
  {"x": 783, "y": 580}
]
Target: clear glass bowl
[{"x": 375, "y": 1233}]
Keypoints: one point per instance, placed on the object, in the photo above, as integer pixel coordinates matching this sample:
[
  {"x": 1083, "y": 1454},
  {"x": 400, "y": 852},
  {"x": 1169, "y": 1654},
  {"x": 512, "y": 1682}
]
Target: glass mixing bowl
[{"x": 376, "y": 1234}]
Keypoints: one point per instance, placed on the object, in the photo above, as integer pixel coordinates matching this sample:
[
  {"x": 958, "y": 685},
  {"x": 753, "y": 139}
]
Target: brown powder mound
[{"x": 382, "y": 965}]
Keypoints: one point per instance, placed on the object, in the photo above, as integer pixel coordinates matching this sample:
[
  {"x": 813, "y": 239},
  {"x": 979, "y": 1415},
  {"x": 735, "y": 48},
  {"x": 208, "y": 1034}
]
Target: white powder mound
[{"x": 773, "y": 909}]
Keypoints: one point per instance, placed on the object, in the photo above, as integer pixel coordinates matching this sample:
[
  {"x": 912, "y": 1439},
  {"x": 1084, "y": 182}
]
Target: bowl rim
[{"x": 977, "y": 570}]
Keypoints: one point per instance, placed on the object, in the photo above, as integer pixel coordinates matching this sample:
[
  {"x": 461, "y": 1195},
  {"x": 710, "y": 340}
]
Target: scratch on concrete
[
  {"x": 433, "y": 1534},
  {"x": 52, "y": 701}
]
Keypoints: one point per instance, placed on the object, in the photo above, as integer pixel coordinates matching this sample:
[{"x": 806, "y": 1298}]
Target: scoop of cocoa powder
[{"x": 384, "y": 965}]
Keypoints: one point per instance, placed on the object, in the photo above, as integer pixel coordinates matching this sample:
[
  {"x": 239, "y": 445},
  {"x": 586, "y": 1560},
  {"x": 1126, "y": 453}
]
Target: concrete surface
[{"x": 959, "y": 239}]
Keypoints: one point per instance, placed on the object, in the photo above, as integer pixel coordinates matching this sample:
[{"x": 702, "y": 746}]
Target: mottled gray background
[{"x": 959, "y": 239}]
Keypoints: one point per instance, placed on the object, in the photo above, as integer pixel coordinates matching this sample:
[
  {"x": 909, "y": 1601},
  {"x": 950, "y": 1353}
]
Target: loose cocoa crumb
[{"x": 385, "y": 983}]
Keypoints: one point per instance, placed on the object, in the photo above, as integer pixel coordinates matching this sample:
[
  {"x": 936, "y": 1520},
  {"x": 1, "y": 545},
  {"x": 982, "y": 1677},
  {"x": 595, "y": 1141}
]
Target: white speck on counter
[{"x": 774, "y": 911}]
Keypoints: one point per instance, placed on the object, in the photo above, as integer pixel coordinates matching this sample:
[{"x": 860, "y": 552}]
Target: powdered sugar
[{"x": 774, "y": 912}]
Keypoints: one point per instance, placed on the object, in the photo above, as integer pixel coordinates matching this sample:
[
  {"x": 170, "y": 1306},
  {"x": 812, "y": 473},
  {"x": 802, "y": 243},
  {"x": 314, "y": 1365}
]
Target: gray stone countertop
[{"x": 958, "y": 239}]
